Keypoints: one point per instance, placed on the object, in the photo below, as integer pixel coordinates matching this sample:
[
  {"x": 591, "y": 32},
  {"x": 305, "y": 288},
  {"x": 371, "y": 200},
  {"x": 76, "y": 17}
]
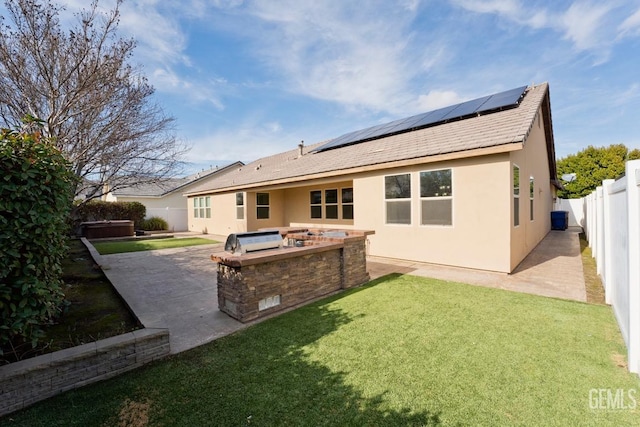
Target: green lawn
[
  {"x": 116, "y": 247},
  {"x": 400, "y": 351}
]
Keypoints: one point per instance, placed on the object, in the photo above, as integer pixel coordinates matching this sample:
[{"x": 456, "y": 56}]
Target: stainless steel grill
[{"x": 253, "y": 241}]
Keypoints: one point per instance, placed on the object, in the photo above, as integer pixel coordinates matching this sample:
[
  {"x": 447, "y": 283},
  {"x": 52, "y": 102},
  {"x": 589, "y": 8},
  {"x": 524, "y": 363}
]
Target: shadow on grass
[{"x": 261, "y": 376}]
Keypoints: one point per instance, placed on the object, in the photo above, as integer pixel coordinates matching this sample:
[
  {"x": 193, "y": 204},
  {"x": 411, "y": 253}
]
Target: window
[
  {"x": 262, "y": 205},
  {"x": 436, "y": 197},
  {"x": 239, "y": 205},
  {"x": 331, "y": 204},
  {"x": 347, "y": 203},
  {"x": 315, "y": 199},
  {"x": 531, "y": 192},
  {"x": 516, "y": 196},
  {"x": 202, "y": 207},
  {"x": 397, "y": 194}
]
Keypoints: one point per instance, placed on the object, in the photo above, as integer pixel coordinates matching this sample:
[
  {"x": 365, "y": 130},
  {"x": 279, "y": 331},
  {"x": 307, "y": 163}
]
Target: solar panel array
[{"x": 496, "y": 102}]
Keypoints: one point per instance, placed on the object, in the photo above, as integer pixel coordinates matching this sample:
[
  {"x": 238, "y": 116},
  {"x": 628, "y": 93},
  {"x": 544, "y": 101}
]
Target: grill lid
[{"x": 253, "y": 241}]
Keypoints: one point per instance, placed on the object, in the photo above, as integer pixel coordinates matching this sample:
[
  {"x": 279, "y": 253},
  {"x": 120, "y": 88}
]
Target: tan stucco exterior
[
  {"x": 532, "y": 161},
  {"x": 482, "y": 235},
  {"x": 478, "y": 237}
]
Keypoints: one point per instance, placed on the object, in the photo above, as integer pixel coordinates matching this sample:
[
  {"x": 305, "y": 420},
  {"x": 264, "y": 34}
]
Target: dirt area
[{"x": 94, "y": 309}]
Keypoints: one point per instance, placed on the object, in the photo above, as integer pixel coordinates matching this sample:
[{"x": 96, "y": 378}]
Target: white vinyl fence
[
  {"x": 612, "y": 225},
  {"x": 175, "y": 217}
]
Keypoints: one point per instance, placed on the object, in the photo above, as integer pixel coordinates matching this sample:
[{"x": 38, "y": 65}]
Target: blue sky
[{"x": 247, "y": 79}]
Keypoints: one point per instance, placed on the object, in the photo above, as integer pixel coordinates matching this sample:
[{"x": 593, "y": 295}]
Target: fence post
[
  {"x": 599, "y": 234},
  {"x": 633, "y": 201},
  {"x": 605, "y": 265},
  {"x": 592, "y": 221}
]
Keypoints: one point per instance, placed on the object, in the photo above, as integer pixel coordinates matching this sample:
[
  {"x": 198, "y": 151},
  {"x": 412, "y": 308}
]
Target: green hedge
[
  {"x": 35, "y": 198},
  {"x": 155, "y": 223},
  {"x": 97, "y": 210}
]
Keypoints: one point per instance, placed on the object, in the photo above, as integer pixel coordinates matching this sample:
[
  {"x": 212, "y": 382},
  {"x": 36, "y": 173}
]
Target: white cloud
[
  {"x": 509, "y": 9},
  {"x": 157, "y": 31},
  {"x": 437, "y": 99},
  {"x": 582, "y": 24},
  {"x": 168, "y": 81},
  {"x": 247, "y": 141},
  {"x": 161, "y": 45},
  {"x": 631, "y": 25},
  {"x": 354, "y": 54}
]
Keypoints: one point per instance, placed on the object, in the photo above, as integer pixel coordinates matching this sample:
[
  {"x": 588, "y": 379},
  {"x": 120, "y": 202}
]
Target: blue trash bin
[{"x": 559, "y": 220}]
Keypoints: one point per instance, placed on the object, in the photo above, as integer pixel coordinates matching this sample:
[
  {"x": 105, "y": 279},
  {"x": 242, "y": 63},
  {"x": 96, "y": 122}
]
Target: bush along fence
[
  {"x": 35, "y": 198},
  {"x": 99, "y": 210},
  {"x": 612, "y": 226}
]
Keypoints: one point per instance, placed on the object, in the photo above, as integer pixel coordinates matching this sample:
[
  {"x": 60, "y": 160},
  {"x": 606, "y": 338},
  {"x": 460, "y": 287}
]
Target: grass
[
  {"x": 116, "y": 247},
  {"x": 400, "y": 351},
  {"x": 593, "y": 284},
  {"x": 94, "y": 311}
]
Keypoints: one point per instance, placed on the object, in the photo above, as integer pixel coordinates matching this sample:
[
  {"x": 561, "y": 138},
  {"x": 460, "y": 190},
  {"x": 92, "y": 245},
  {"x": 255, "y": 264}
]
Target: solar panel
[
  {"x": 433, "y": 117},
  {"x": 498, "y": 101},
  {"x": 466, "y": 108},
  {"x": 509, "y": 98}
]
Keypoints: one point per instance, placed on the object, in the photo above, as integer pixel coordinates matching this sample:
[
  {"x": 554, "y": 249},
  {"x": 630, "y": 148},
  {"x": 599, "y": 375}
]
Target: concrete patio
[
  {"x": 552, "y": 269},
  {"x": 176, "y": 288}
]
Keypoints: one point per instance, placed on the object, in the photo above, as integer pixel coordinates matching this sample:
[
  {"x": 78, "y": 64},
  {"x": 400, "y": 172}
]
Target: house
[
  {"x": 166, "y": 199},
  {"x": 469, "y": 185}
]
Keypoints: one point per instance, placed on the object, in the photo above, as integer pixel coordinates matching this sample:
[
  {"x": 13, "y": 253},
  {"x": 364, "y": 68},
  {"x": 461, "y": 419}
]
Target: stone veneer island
[{"x": 315, "y": 262}]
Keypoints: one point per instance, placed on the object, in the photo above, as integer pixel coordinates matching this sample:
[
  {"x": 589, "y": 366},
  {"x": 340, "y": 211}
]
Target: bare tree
[{"x": 95, "y": 105}]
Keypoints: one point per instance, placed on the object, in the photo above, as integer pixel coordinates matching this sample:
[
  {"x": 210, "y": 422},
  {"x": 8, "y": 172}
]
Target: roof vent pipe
[{"x": 300, "y": 149}]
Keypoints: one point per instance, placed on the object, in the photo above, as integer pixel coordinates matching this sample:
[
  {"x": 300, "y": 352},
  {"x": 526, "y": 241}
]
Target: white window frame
[
  {"x": 398, "y": 200},
  {"x": 437, "y": 197},
  {"x": 240, "y": 213},
  {"x": 202, "y": 207},
  {"x": 516, "y": 194},
  {"x": 532, "y": 190}
]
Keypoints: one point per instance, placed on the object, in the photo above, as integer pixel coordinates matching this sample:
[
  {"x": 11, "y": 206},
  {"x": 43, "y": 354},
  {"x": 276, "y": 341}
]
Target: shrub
[
  {"x": 36, "y": 188},
  {"x": 155, "y": 223},
  {"x": 97, "y": 210}
]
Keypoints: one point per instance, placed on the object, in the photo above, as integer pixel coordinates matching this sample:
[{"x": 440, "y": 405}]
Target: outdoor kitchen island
[{"x": 305, "y": 265}]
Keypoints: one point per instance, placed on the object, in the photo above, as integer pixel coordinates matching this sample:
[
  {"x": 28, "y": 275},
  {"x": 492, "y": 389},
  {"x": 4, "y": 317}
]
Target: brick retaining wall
[{"x": 28, "y": 381}]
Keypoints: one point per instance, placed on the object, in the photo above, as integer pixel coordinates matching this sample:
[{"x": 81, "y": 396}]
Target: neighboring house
[
  {"x": 471, "y": 185},
  {"x": 166, "y": 199}
]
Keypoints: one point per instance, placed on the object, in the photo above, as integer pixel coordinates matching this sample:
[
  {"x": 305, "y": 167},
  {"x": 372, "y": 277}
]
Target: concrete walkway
[
  {"x": 174, "y": 289},
  {"x": 177, "y": 288},
  {"x": 552, "y": 269}
]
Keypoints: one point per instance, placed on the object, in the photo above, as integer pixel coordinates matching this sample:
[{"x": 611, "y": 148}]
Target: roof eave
[{"x": 498, "y": 149}]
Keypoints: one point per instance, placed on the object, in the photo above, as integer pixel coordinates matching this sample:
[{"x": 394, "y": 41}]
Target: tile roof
[
  {"x": 164, "y": 187},
  {"x": 484, "y": 131}
]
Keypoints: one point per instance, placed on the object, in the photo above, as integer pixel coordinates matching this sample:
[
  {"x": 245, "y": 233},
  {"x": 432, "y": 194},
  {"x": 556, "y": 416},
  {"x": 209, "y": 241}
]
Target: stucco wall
[
  {"x": 479, "y": 235},
  {"x": 223, "y": 216},
  {"x": 276, "y": 210},
  {"x": 533, "y": 162},
  {"x": 482, "y": 236},
  {"x": 298, "y": 211}
]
